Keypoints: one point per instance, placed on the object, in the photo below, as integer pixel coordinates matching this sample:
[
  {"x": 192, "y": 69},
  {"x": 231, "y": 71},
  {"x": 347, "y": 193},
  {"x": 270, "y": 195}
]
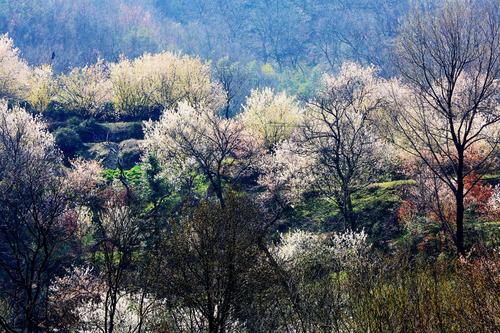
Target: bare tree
[
  {"x": 450, "y": 59},
  {"x": 33, "y": 224},
  {"x": 207, "y": 262},
  {"x": 118, "y": 234},
  {"x": 339, "y": 131},
  {"x": 234, "y": 80}
]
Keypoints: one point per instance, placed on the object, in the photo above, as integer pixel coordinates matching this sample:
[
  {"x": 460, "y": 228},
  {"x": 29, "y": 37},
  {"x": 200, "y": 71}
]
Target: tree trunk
[
  {"x": 212, "y": 327},
  {"x": 216, "y": 187},
  {"x": 347, "y": 211},
  {"x": 460, "y": 226},
  {"x": 350, "y": 213},
  {"x": 460, "y": 209}
]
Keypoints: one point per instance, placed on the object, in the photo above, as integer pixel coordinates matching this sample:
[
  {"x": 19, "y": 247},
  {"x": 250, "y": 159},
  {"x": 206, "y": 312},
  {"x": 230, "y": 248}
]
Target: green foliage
[
  {"x": 480, "y": 232},
  {"x": 119, "y": 131},
  {"x": 492, "y": 178},
  {"x": 393, "y": 184},
  {"x": 374, "y": 207},
  {"x": 57, "y": 112},
  {"x": 374, "y": 198},
  {"x": 135, "y": 175},
  {"x": 157, "y": 188},
  {"x": 130, "y": 153},
  {"x": 91, "y": 131},
  {"x": 68, "y": 140},
  {"x": 302, "y": 82}
]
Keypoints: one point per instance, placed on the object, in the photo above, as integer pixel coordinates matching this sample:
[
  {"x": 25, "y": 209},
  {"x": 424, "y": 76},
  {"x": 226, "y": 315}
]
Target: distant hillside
[{"x": 282, "y": 32}]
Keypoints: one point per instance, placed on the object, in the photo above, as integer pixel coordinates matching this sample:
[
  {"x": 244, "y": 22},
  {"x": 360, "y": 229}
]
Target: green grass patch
[
  {"x": 379, "y": 195},
  {"x": 121, "y": 131},
  {"x": 393, "y": 184},
  {"x": 133, "y": 175},
  {"x": 493, "y": 176},
  {"x": 317, "y": 209}
]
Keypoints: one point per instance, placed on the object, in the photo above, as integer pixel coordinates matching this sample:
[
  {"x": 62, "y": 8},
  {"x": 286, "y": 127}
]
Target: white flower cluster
[
  {"x": 134, "y": 87},
  {"x": 162, "y": 79},
  {"x": 271, "y": 117},
  {"x": 288, "y": 172},
  {"x": 189, "y": 141},
  {"x": 347, "y": 250},
  {"x": 84, "y": 177},
  {"x": 87, "y": 88},
  {"x": 494, "y": 201},
  {"x": 24, "y": 134},
  {"x": 14, "y": 71}
]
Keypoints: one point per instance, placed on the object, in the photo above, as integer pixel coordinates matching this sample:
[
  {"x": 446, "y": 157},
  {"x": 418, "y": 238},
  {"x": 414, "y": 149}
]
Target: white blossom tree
[
  {"x": 14, "y": 71},
  {"x": 346, "y": 249},
  {"x": 86, "y": 89},
  {"x": 339, "y": 130},
  {"x": 272, "y": 117},
  {"x": 33, "y": 223},
  {"x": 162, "y": 80},
  {"x": 42, "y": 88},
  {"x": 190, "y": 141},
  {"x": 287, "y": 172},
  {"x": 315, "y": 266}
]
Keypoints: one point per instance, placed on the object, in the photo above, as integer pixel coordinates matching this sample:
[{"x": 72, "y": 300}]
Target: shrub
[
  {"x": 331, "y": 284},
  {"x": 56, "y": 111},
  {"x": 14, "y": 71},
  {"x": 68, "y": 141},
  {"x": 160, "y": 80},
  {"x": 120, "y": 131},
  {"x": 91, "y": 131},
  {"x": 272, "y": 117},
  {"x": 86, "y": 89},
  {"x": 130, "y": 153},
  {"x": 42, "y": 88}
]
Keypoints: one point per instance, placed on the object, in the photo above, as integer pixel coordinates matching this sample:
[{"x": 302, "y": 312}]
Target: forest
[{"x": 249, "y": 166}]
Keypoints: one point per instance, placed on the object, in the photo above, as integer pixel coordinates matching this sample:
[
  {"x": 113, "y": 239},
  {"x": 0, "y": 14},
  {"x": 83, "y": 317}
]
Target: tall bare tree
[
  {"x": 450, "y": 58},
  {"x": 339, "y": 131},
  {"x": 33, "y": 226},
  {"x": 207, "y": 262},
  {"x": 118, "y": 238}
]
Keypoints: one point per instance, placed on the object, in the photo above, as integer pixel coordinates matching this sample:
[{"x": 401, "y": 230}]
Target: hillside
[
  {"x": 234, "y": 166},
  {"x": 285, "y": 33}
]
